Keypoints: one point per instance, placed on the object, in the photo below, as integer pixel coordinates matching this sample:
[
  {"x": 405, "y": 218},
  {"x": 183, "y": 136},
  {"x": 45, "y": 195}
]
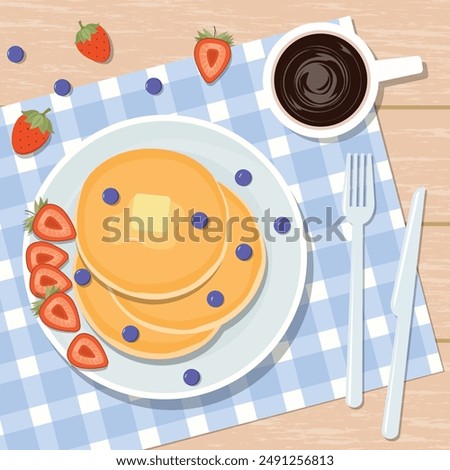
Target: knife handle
[{"x": 394, "y": 398}]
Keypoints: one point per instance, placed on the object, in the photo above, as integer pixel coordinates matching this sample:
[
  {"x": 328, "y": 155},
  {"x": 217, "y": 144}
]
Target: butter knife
[{"x": 402, "y": 304}]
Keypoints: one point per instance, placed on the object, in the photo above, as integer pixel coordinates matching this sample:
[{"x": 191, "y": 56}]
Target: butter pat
[{"x": 153, "y": 210}]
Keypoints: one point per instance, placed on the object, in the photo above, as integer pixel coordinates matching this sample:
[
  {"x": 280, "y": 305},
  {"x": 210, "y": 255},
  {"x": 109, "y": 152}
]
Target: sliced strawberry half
[
  {"x": 212, "y": 54},
  {"x": 50, "y": 222},
  {"x": 86, "y": 352},
  {"x": 57, "y": 311},
  {"x": 45, "y": 277},
  {"x": 45, "y": 253}
]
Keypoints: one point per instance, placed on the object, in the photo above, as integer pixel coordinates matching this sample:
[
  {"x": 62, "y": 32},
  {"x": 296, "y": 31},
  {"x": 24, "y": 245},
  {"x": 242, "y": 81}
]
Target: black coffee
[{"x": 320, "y": 80}]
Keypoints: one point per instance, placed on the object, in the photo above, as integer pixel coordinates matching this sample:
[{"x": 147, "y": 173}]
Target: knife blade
[
  {"x": 402, "y": 295},
  {"x": 402, "y": 303}
]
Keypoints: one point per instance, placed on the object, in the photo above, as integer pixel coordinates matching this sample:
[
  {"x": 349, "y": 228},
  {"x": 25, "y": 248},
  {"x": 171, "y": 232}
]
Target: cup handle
[
  {"x": 391, "y": 69},
  {"x": 347, "y": 23}
]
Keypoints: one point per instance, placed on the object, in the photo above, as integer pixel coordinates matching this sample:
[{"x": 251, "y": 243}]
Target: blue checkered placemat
[{"x": 46, "y": 404}]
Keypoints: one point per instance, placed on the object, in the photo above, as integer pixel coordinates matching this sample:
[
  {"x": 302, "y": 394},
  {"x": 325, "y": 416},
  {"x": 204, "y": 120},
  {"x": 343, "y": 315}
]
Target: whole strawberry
[
  {"x": 93, "y": 42},
  {"x": 31, "y": 131}
]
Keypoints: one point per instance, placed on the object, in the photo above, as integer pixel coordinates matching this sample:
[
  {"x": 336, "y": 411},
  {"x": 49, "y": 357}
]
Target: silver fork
[{"x": 359, "y": 206}]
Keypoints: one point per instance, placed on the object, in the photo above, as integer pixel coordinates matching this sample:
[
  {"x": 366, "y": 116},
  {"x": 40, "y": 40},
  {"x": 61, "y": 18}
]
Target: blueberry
[
  {"x": 82, "y": 277},
  {"x": 153, "y": 86},
  {"x": 191, "y": 377},
  {"x": 244, "y": 252},
  {"x": 15, "y": 54},
  {"x": 199, "y": 220},
  {"x": 110, "y": 196},
  {"x": 243, "y": 177},
  {"x": 62, "y": 87},
  {"x": 130, "y": 333},
  {"x": 282, "y": 225},
  {"x": 215, "y": 298}
]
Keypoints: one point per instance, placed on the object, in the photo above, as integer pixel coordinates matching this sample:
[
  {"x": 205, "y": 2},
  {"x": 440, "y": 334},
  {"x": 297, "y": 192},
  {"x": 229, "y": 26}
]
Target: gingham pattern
[{"x": 46, "y": 404}]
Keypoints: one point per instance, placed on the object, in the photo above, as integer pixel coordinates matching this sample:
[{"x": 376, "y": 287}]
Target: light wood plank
[
  {"x": 433, "y": 269},
  {"x": 418, "y": 143},
  {"x": 333, "y": 425},
  {"x": 149, "y": 33}
]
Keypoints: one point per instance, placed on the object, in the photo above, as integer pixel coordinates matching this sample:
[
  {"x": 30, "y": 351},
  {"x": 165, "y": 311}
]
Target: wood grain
[
  {"x": 148, "y": 33},
  {"x": 433, "y": 269},
  {"x": 415, "y": 119},
  {"x": 418, "y": 143}
]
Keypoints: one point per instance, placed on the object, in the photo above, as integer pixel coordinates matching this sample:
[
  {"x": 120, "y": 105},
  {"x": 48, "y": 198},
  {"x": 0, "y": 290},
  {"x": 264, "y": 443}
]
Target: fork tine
[
  {"x": 370, "y": 185},
  {"x": 361, "y": 180},
  {"x": 354, "y": 184},
  {"x": 347, "y": 184}
]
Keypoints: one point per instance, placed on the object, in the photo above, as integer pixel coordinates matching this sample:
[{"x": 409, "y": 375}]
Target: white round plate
[{"x": 243, "y": 343}]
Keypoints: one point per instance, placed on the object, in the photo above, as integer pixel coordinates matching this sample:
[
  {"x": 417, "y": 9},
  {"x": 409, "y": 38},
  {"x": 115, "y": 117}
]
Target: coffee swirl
[{"x": 320, "y": 80}]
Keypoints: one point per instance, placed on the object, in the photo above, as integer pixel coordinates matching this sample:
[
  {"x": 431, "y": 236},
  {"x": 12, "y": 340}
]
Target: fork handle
[{"x": 354, "y": 393}]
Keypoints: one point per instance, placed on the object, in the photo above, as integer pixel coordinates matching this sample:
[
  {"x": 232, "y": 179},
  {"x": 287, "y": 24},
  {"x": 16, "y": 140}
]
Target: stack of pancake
[{"x": 172, "y": 254}]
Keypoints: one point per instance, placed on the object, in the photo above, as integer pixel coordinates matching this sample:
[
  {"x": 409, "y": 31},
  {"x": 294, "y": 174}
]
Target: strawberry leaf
[
  {"x": 228, "y": 38},
  {"x": 38, "y": 120},
  {"x": 35, "y": 121},
  {"x": 50, "y": 126},
  {"x": 205, "y": 34},
  {"x": 86, "y": 32},
  {"x": 46, "y": 126},
  {"x": 36, "y": 306},
  {"x": 28, "y": 222},
  {"x": 29, "y": 113},
  {"x": 41, "y": 204},
  {"x": 50, "y": 291}
]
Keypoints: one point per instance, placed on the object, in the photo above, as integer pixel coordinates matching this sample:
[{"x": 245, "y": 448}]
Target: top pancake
[
  {"x": 145, "y": 245},
  {"x": 237, "y": 280}
]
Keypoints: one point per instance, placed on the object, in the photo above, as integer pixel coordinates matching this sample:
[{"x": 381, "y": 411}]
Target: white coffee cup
[{"x": 377, "y": 71}]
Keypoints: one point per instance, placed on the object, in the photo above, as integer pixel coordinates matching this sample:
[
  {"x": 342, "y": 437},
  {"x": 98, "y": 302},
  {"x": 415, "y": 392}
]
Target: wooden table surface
[{"x": 415, "y": 118}]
